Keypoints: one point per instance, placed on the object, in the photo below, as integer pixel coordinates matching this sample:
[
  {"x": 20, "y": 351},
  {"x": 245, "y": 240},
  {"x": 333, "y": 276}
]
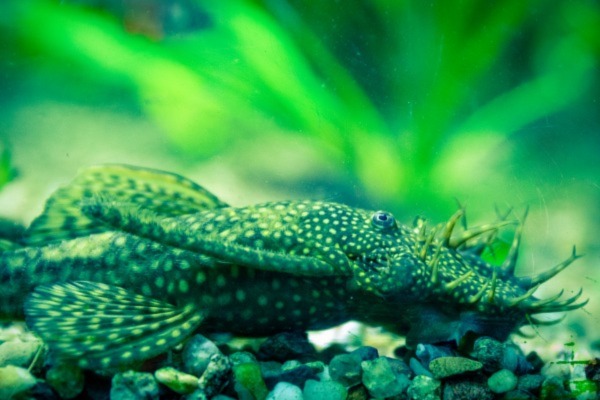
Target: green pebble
[
  {"x": 249, "y": 383},
  {"x": 553, "y": 388},
  {"x": 489, "y": 352},
  {"x": 502, "y": 381},
  {"x": 346, "y": 369},
  {"x": 380, "y": 380},
  {"x": 444, "y": 367},
  {"x": 240, "y": 357},
  {"x": 132, "y": 385},
  {"x": 325, "y": 390},
  {"x": 177, "y": 381},
  {"x": 530, "y": 382},
  {"x": 14, "y": 380},
  {"x": 583, "y": 389},
  {"x": 18, "y": 353},
  {"x": 424, "y": 388},
  {"x": 518, "y": 394},
  {"x": 316, "y": 366},
  {"x": 66, "y": 379}
]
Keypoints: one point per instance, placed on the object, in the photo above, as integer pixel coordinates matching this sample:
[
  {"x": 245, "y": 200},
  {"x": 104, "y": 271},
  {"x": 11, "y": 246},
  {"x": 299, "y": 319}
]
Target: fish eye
[{"x": 383, "y": 220}]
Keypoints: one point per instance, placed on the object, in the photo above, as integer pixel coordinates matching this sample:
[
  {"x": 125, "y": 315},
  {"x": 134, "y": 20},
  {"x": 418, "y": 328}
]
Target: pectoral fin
[
  {"x": 103, "y": 326},
  {"x": 161, "y": 192},
  {"x": 182, "y": 233}
]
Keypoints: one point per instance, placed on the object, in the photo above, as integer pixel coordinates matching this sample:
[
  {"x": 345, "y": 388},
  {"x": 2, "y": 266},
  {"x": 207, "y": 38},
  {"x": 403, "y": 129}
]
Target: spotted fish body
[{"x": 126, "y": 262}]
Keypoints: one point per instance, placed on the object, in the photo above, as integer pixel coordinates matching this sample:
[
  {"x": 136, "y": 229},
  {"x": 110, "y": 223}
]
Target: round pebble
[
  {"x": 583, "y": 389},
  {"x": 132, "y": 385},
  {"x": 196, "y": 354},
  {"x": 424, "y": 387},
  {"x": 285, "y": 391},
  {"x": 553, "y": 389},
  {"x": 467, "y": 390},
  {"x": 326, "y": 390},
  {"x": 381, "y": 380},
  {"x": 14, "y": 380},
  {"x": 19, "y": 353},
  {"x": 418, "y": 369},
  {"x": 530, "y": 383},
  {"x": 489, "y": 352},
  {"x": 248, "y": 381},
  {"x": 366, "y": 353},
  {"x": 287, "y": 346},
  {"x": 502, "y": 381},
  {"x": 346, "y": 369},
  {"x": 427, "y": 352}
]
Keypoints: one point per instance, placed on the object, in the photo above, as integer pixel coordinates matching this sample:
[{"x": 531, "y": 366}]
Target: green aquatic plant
[{"x": 427, "y": 97}]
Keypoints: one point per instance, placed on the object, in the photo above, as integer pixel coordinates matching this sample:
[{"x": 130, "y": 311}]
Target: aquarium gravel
[{"x": 203, "y": 369}]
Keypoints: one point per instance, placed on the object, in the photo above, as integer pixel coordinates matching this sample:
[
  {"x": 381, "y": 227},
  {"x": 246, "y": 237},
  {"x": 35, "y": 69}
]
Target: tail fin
[{"x": 161, "y": 192}]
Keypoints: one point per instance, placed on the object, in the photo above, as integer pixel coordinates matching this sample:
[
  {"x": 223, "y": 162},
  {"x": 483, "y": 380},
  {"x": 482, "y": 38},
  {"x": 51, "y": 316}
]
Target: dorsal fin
[
  {"x": 102, "y": 326},
  {"x": 163, "y": 193}
]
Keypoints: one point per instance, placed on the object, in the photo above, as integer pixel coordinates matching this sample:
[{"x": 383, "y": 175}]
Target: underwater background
[{"x": 408, "y": 106}]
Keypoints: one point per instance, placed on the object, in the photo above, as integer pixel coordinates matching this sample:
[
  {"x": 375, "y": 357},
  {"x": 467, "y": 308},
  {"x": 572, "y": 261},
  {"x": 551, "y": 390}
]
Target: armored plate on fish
[{"x": 125, "y": 263}]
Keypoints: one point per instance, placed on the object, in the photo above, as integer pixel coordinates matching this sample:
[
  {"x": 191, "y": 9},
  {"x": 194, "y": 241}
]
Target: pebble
[
  {"x": 424, "y": 388},
  {"x": 240, "y": 357},
  {"x": 530, "y": 382},
  {"x": 287, "y": 346},
  {"x": 489, "y": 352},
  {"x": 444, "y": 367},
  {"x": 292, "y": 372},
  {"x": 326, "y": 390},
  {"x": 14, "y": 380},
  {"x": 466, "y": 390},
  {"x": 196, "y": 354},
  {"x": 66, "y": 379},
  {"x": 357, "y": 392},
  {"x": 400, "y": 367},
  {"x": 592, "y": 370},
  {"x": 177, "y": 381},
  {"x": 514, "y": 360},
  {"x": 18, "y": 353},
  {"x": 562, "y": 371},
  {"x": 553, "y": 389},
  {"x": 518, "y": 394},
  {"x": 132, "y": 385},
  {"x": 418, "y": 368},
  {"x": 380, "y": 378},
  {"x": 583, "y": 389},
  {"x": 502, "y": 381},
  {"x": 316, "y": 366},
  {"x": 366, "y": 353},
  {"x": 248, "y": 381},
  {"x": 42, "y": 390},
  {"x": 427, "y": 352},
  {"x": 216, "y": 375},
  {"x": 285, "y": 391},
  {"x": 535, "y": 361},
  {"x": 346, "y": 369}
]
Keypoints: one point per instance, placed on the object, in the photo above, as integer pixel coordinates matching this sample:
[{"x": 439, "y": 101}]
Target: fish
[{"x": 125, "y": 263}]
